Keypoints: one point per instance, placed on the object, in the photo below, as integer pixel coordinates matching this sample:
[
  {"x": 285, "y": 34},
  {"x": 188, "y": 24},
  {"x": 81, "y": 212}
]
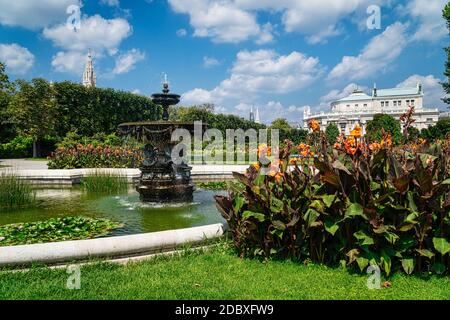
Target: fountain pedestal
[{"x": 162, "y": 178}]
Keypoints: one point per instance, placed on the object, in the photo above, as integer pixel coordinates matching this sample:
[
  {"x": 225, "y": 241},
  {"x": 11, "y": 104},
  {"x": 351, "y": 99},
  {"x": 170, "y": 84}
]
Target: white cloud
[
  {"x": 429, "y": 16},
  {"x": 18, "y": 60},
  {"x": 181, "y": 32},
  {"x": 34, "y": 14},
  {"x": 127, "y": 61},
  {"x": 136, "y": 91},
  {"x": 209, "y": 62},
  {"x": 96, "y": 33},
  {"x": 261, "y": 72},
  {"x": 222, "y": 21},
  {"x": 236, "y": 20},
  {"x": 432, "y": 89},
  {"x": 71, "y": 62},
  {"x": 112, "y": 3},
  {"x": 376, "y": 56},
  {"x": 197, "y": 96}
]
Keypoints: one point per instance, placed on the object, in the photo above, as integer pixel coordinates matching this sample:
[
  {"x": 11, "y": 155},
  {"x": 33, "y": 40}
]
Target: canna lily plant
[{"x": 355, "y": 203}]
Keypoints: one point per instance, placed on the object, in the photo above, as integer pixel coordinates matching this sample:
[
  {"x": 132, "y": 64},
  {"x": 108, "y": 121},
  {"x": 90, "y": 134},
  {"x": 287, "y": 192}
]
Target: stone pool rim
[{"x": 108, "y": 247}]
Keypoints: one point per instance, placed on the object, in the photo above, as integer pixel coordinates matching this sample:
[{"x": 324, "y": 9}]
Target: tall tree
[
  {"x": 332, "y": 133},
  {"x": 33, "y": 111},
  {"x": 383, "y": 122},
  {"x": 5, "y": 97},
  {"x": 446, "y": 84}
]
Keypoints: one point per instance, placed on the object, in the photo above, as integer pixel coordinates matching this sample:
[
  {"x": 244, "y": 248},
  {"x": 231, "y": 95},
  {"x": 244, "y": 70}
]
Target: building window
[
  {"x": 429, "y": 119},
  {"x": 365, "y": 105},
  {"x": 348, "y": 106},
  {"x": 382, "y": 103},
  {"x": 387, "y": 103},
  {"x": 399, "y": 103},
  {"x": 395, "y": 103},
  {"x": 412, "y": 102},
  {"x": 407, "y": 102},
  {"x": 356, "y": 105}
]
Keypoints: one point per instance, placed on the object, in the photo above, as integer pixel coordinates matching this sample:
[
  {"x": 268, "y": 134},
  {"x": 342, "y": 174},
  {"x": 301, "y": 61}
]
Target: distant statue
[{"x": 149, "y": 156}]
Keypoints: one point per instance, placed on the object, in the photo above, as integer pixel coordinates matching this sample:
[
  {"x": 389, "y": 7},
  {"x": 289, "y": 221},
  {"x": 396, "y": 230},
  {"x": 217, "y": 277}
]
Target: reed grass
[
  {"x": 15, "y": 192},
  {"x": 105, "y": 182}
]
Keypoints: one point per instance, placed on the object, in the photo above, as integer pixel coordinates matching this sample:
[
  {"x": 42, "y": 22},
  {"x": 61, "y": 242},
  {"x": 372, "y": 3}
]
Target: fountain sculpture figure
[{"x": 161, "y": 179}]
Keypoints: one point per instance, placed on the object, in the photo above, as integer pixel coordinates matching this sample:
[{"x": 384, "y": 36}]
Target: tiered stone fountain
[{"x": 161, "y": 180}]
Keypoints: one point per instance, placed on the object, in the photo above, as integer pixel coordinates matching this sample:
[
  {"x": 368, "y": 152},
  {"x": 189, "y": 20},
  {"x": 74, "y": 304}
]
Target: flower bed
[{"x": 354, "y": 204}]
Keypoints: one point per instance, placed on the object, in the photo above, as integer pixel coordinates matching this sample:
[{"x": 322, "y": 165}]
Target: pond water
[{"x": 126, "y": 208}]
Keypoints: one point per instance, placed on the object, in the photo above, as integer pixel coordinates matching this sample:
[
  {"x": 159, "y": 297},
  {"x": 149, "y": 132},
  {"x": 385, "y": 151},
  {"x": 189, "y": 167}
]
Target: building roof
[
  {"x": 357, "y": 95},
  {"x": 398, "y": 92}
]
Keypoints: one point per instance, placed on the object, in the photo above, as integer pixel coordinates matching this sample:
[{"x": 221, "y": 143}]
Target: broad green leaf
[
  {"x": 355, "y": 209},
  {"x": 386, "y": 261},
  {"x": 425, "y": 253},
  {"x": 408, "y": 265},
  {"x": 317, "y": 205},
  {"x": 362, "y": 263},
  {"x": 446, "y": 181},
  {"x": 258, "y": 216},
  {"x": 328, "y": 199},
  {"x": 441, "y": 245},
  {"x": 239, "y": 202},
  {"x": 311, "y": 216},
  {"x": 331, "y": 227},
  {"x": 364, "y": 238},
  {"x": 391, "y": 237}
]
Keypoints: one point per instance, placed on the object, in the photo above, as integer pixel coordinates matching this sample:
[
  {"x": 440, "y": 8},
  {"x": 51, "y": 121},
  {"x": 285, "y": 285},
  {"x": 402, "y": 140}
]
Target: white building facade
[{"x": 359, "y": 108}]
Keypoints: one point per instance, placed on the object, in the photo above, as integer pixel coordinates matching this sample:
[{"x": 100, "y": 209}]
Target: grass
[
  {"x": 215, "y": 274},
  {"x": 36, "y": 159},
  {"x": 15, "y": 192},
  {"x": 105, "y": 182}
]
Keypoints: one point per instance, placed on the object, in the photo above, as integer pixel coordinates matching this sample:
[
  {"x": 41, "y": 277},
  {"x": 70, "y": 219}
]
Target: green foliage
[
  {"x": 384, "y": 122},
  {"x": 332, "y": 132},
  {"x": 438, "y": 131},
  {"x": 105, "y": 182},
  {"x": 19, "y": 147},
  {"x": 6, "y": 131},
  {"x": 446, "y": 85},
  {"x": 15, "y": 192},
  {"x": 55, "y": 229},
  {"x": 280, "y": 124},
  {"x": 213, "y": 185},
  {"x": 99, "y": 156},
  {"x": 385, "y": 207}
]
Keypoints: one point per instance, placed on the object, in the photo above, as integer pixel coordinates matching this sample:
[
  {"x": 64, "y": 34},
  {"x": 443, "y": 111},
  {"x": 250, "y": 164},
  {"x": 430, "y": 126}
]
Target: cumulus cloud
[
  {"x": 431, "y": 26},
  {"x": 209, "y": 62},
  {"x": 18, "y": 60},
  {"x": 111, "y": 3},
  {"x": 96, "y": 33},
  {"x": 222, "y": 21},
  {"x": 260, "y": 72},
  {"x": 433, "y": 91},
  {"x": 236, "y": 20},
  {"x": 34, "y": 14},
  {"x": 127, "y": 61},
  {"x": 376, "y": 56},
  {"x": 71, "y": 62}
]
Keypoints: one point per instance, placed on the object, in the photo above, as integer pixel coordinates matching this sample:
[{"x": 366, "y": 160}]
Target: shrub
[
  {"x": 101, "y": 156},
  {"x": 105, "y": 182},
  {"x": 355, "y": 204},
  {"x": 15, "y": 192},
  {"x": 19, "y": 147}
]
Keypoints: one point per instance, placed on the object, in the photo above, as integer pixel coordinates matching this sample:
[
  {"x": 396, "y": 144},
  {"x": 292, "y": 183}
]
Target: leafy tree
[
  {"x": 33, "y": 111},
  {"x": 446, "y": 85},
  {"x": 6, "y": 132},
  {"x": 386, "y": 122},
  {"x": 438, "y": 131},
  {"x": 413, "y": 134},
  {"x": 280, "y": 124},
  {"x": 332, "y": 132}
]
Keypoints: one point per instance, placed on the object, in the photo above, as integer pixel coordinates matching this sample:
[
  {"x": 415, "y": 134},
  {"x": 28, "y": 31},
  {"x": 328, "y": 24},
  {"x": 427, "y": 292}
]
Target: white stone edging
[{"x": 121, "y": 246}]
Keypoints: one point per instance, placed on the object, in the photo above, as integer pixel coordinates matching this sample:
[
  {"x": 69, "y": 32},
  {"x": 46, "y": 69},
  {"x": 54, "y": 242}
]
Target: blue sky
[{"x": 278, "y": 55}]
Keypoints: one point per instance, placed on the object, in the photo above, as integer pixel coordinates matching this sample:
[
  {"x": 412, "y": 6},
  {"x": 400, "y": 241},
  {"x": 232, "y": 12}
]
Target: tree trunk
[{"x": 35, "y": 148}]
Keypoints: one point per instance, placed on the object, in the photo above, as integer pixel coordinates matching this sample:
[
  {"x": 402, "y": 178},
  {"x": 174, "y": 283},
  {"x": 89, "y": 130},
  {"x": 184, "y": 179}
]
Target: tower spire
[{"x": 89, "y": 77}]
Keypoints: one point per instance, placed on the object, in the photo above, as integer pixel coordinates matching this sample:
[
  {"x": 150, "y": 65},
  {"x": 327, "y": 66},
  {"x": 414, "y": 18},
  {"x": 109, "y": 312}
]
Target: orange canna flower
[
  {"x": 356, "y": 132},
  {"x": 256, "y": 166},
  {"x": 278, "y": 177},
  {"x": 314, "y": 125},
  {"x": 263, "y": 149},
  {"x": 386, "y": 141},
  {"x": 337, "y": 146},
  {"x": 374, "y": 146}
]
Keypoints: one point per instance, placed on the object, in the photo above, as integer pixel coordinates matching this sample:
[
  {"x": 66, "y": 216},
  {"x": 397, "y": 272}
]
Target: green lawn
[{"x": 216, "y": 274}]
